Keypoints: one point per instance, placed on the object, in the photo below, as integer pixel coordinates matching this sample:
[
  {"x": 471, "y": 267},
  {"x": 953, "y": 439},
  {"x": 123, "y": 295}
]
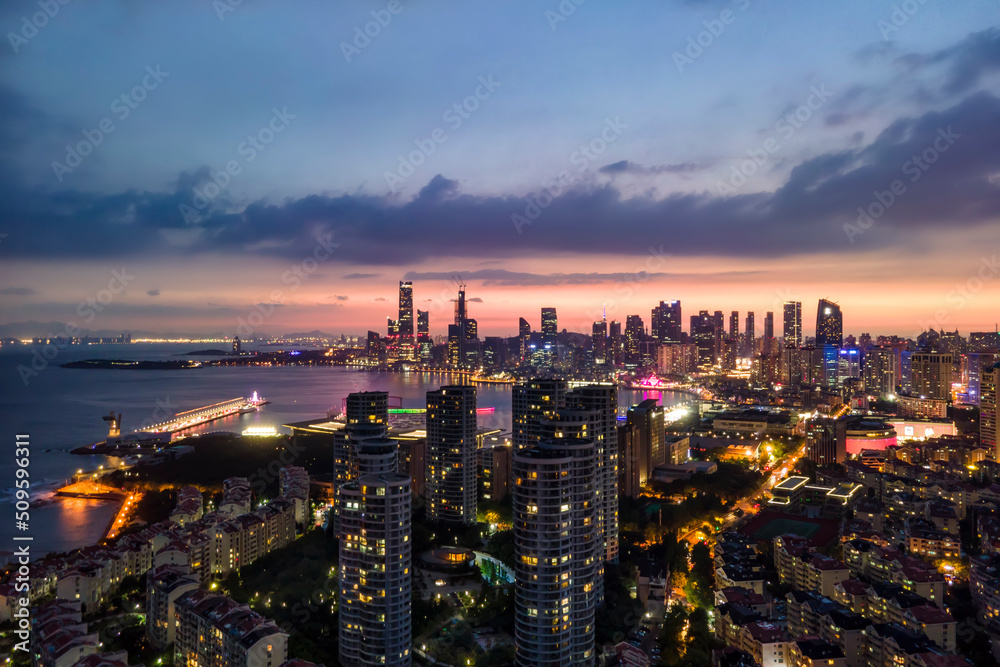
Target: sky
[{"x": 194, "y": 166}]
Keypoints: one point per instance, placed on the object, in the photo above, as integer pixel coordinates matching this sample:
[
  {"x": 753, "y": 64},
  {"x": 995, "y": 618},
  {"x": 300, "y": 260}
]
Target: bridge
[{"x": 209, "y": 413}]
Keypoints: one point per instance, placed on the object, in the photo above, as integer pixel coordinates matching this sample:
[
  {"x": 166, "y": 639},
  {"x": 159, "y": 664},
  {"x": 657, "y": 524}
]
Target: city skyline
[{"x": 169, "y": 196}]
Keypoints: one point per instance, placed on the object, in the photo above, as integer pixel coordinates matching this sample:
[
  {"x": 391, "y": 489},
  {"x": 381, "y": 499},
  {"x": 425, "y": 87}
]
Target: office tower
[
  {"x": 825, "y": 365},
  {"x": 375, "y": 579},
  {"x": 703, "y": 333},
  {"x": 643, "y": 446},
  {"x": 988, "y": 414},
  {"x": 827, "y": 441},
  {"x": 767, "y": 342},
  {"x": 523, "y": 337},
  {"x": 906, "y": 371},
  {"x": 373, "y": 347},
  {"x": 848, "y": 365},
  {"x": 533, "y": 401},
  {"x": 749, "y": 337},
  {"x": 792, "y": 331},
  {"x": 451, "y": 454},
  {"x": 635, "y": 331},
  {"x": 880, "y": 372},
  {"x": 550, "y": 326},
  {"x": 616, "y": 346},
  {"x": 599, "y": 341},
  {"x": 494, "y": 352},
  {"x": 405, "y": 321},
  {"x": 829, "y": 324},
  {"x": 974, "y": 364},
  {"x": 557, "y": 548},
  {"x": 461, "y": 314},
  {"x": 720, "y": 334},
  {"x": 425, "y": 345},
  {"x": 601, "y": 401},
  {"x": 734, "y": 325},
  {"x": 931, "y": 375},
  {"x": 665, "y": 325},
  {"x": 730, "y": 352},
  {"x": 456, "y": 345}
]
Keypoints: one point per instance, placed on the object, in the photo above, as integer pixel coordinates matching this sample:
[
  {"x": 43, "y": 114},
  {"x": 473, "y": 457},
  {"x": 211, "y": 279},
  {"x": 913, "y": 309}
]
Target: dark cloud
[
  {"x": 153, "y": 292},
  {"x": 18, "y": 291},
  {"x": 341, "y": 297},
  {"x": 806, "y": 213},
  {"x": 475, "y": 299},
  {"x": 360, "y": 276},
  {"x": 967, "y": 62},
  {"x": 626, "y": 167}
]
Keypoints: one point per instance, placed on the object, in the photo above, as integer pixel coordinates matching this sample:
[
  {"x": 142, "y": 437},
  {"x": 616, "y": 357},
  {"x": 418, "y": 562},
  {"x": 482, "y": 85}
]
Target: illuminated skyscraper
[
  {"x": 749, "y": 336},
  {"x": 827, "y": 441},
  {"x": 767, "y": 342},
  {"x": 533, "y": 401},
  {"x": 635, "y": 331},
  {"x": 703, "y": 333},
  {"x": 405, "y": 321},
  {"x": 988, "y": 413},
  {"x": 931, "y": 375},
  {"x": 599, "y": 341},
  {"x": 829, "y": 324},
  {"x": 451, "y": 454},
  {"x": 666, "y": 322},
  {"x": 616, "y": 346},
  {"x": 880, "y": 371},
  {"x": 601, "y": 402},
  {"x": 425, "y": 345},
  {"x": 550, "y": 335},
  {"x": 523, "y": 337},
  {"x": 557, "y": 548},
  {"x": 374, "y": 571},
  {"x": 792, "y": 331}
]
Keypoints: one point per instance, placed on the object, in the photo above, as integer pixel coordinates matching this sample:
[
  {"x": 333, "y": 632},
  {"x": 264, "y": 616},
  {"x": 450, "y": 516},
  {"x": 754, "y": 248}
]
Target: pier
[{"x": 185, "y": 420}]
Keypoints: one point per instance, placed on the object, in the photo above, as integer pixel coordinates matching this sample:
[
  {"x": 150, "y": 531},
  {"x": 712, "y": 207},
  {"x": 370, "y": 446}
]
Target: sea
[{"x": 60, "y": 409}]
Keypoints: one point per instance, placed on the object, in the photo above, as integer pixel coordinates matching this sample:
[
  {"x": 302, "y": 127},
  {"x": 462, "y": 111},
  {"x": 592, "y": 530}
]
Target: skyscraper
[
  {"x": 425, "y": 345},
  {"x": 557, "y": 552},
  {"x": 405, "y": 321},
  {"x": 550, "y": 335},
  {"x": 829, "y": 324},
  {"x": 362, "y": 447},
  {"x": 533, "y": 401},
  {"x": 734, "y": 325},
  {"x": 635, "y": 331},
  {"x": 523, "y": 337},
  {"x": 451, "y": 454},
  {"x": 988, "y": 413},
  {"x": 792, "y": 330},
  {"x": 599, "y": 341},
  {"x": 880, "y": 371},
  {"x": 931, "y": 375},
  {"x": 749, "y": 336},
  {"x": 601, "y": 401},
  {"x": 703, "y": 333},
  {"x": 374, "y": 577},
  {"x": 767, "y": 342},
  {"x": 616, "y": 346},
  {"x": 665, "y": 325}
]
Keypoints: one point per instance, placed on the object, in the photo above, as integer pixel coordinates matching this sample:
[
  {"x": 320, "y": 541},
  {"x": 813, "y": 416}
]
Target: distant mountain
[{"x": 34, "y": 329}]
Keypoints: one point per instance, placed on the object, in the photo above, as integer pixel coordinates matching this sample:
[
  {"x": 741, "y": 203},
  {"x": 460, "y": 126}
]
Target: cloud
[
  {"x": 153, "y": 292},
  {"x": 626, "y": 167},
  {"x": 341, "y": 297},
  {"x": 380, "y": 298},
  {"x": 18, "y": 291},
  {"x": 804, "y": 214},
  {"x": 966, "y": 62},
  {"x": 360, "y": 276},
  {"x": 475, "y": 299}
]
